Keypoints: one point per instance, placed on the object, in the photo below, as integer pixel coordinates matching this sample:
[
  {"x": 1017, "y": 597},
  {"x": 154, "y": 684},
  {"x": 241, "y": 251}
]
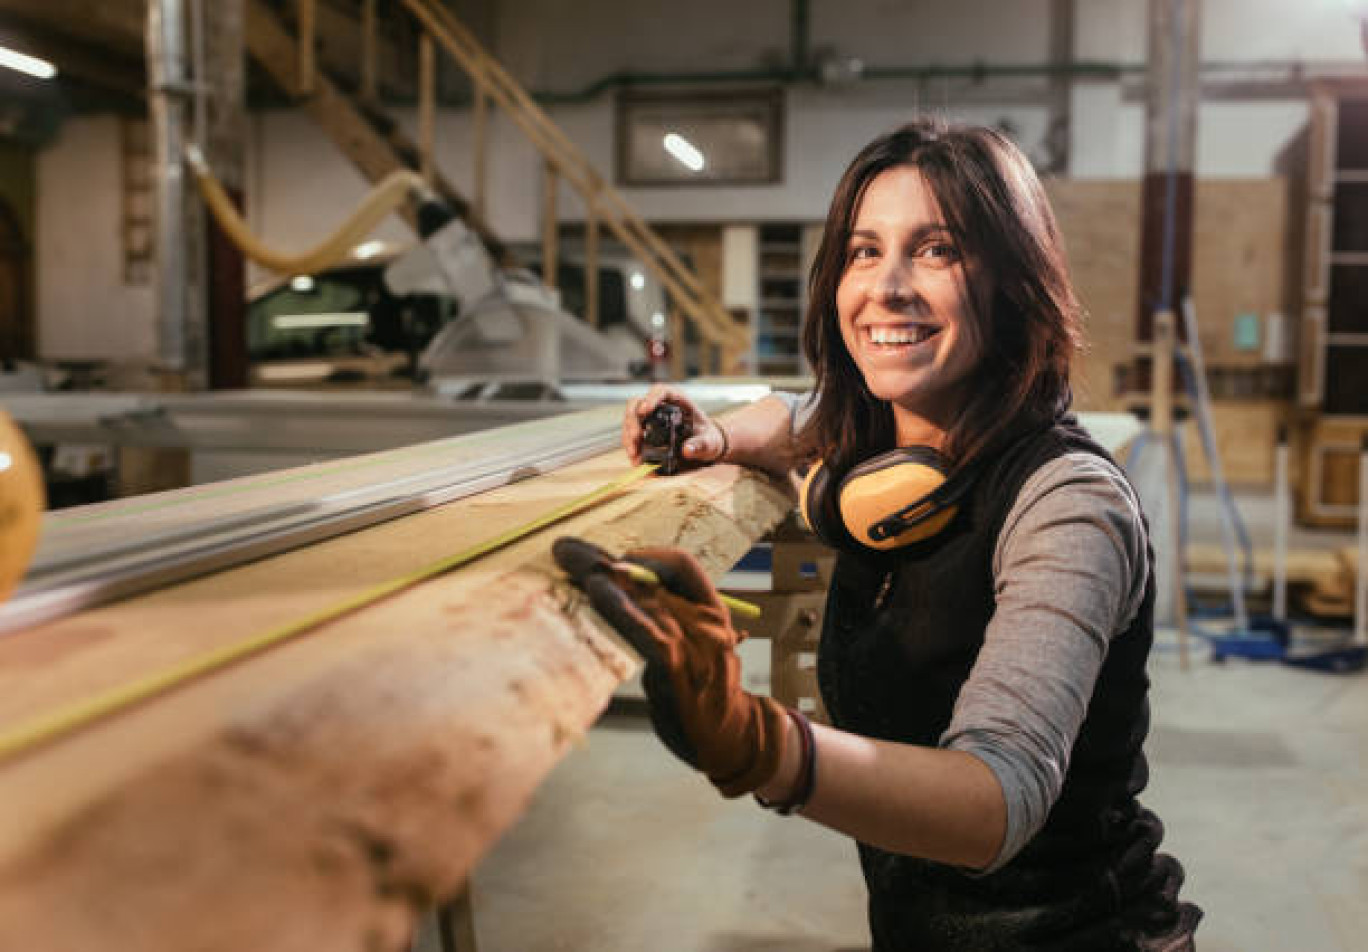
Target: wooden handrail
[{"x": 603, "y": 202}]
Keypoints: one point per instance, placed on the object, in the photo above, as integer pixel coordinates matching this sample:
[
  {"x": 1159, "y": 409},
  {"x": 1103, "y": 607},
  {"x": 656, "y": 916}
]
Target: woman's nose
[{"x": 893, "y": 284}]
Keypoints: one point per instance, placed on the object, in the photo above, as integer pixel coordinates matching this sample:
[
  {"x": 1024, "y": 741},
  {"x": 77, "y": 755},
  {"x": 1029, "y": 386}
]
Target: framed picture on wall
[{"x": 713, "y": 138}]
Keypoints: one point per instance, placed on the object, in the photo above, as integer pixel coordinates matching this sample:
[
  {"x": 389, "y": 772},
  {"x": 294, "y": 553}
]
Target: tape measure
[{"x": 46, "y": 728}]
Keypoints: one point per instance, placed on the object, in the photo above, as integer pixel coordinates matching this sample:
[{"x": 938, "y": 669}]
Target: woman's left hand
[{"x": 692, "y": 676}]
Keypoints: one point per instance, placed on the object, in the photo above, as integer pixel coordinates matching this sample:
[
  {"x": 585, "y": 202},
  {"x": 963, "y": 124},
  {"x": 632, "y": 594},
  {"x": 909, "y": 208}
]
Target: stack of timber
[
  {"x": 1320, "y": 582},
  {"x": 322, "y": 794},
  {"x": 1333, "y": 595}
]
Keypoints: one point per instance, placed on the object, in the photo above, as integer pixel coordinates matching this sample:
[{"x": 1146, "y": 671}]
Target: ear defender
[{"x": 895, "y": 499}]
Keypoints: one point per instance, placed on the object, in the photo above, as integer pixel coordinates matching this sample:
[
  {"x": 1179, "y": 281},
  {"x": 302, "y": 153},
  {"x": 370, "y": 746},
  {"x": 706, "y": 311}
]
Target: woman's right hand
[{"x": 705, "y": 443}]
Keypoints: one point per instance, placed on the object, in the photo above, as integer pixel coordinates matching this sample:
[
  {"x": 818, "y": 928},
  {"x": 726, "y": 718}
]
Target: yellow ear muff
[
  {"x": 900, "y": 486},
  {"x": 21, "y": 504},
  {"x": 807, "y": 506}
]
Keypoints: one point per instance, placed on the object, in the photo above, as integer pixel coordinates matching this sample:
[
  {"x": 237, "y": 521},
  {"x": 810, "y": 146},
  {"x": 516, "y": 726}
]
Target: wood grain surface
[{"x": 321, "y": 795}]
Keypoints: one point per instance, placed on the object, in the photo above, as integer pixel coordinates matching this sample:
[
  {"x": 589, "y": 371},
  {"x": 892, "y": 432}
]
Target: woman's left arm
[
  {"x": 1064, "y": 578},
  {"x": 1070, "y": 570},
  {"x": 943, "y": 805}
]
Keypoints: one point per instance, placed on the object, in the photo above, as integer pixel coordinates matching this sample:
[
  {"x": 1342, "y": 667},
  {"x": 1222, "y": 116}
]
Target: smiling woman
[
  {"x": 990, "y": 616},
  {"x": 982, "y": 271}
]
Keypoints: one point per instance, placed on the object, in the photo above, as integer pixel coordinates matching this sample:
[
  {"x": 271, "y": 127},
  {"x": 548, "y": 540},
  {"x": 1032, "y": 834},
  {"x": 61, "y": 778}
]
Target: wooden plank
[
  {"x": 427, "y": 104},
  {"x": 307, "y": 43},
  {"x": 480, "y": 146},
  {"x": 370, "y": 86},
  {"x": 1317, "y": 567},
  {"x": 1246, "y": 434},
  {"x": 591, "y": 266},
  {"x": 1329, "y": 451},
  {"x": 550, "y": 221},
  {"x": 318, "y": 795}
]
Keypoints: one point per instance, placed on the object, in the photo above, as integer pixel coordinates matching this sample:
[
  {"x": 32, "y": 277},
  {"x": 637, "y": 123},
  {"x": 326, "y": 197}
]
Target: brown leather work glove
[{"x": 692, "y": 676}]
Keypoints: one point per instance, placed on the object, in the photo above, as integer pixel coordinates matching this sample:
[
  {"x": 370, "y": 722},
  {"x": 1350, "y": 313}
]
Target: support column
[
  {"x": 1058, "y": 134},
  {"x": 225, "y": 147},
  {"x": 1172, "y": 94},
  {"x": 166, "y": 72}
]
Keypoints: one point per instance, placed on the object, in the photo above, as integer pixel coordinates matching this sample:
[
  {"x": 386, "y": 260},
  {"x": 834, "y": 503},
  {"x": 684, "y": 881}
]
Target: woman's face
[{"x": 903, "y": 303}]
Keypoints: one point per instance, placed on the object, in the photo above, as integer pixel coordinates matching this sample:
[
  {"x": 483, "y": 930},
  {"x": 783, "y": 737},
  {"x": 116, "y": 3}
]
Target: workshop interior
[{"x": 318, "y": 324}]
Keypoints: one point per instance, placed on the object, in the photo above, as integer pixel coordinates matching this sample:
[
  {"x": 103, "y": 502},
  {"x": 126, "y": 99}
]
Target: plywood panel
[
  {"x": 1240, "y": 241},
  {"x": 1100, "y": 221},
  {"x": 1246, "y": 435}
]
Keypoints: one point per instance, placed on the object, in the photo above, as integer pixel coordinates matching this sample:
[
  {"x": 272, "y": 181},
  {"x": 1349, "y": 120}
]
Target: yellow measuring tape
[{"x": 48, "y": 727}]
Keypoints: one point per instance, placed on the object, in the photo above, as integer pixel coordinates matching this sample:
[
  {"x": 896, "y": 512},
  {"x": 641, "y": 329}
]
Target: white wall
[
  {"x": 84, "y": 309},
  {"x": 299, "y": 186}
]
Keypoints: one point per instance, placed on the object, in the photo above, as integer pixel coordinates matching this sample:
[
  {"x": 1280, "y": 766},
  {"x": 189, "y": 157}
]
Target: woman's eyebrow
[{"x": 918, "y": 233}]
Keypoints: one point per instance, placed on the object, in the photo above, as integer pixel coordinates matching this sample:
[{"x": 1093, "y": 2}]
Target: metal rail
[{"x": 62, "y": 584}]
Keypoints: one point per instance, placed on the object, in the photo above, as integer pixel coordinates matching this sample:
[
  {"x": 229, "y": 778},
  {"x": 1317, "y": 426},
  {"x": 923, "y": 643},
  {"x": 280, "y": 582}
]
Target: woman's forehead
[{"x": 901, "y": 196}]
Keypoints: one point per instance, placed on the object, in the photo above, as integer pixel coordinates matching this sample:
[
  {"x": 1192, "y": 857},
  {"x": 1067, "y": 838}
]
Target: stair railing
[{"x": 562, "y": 159}]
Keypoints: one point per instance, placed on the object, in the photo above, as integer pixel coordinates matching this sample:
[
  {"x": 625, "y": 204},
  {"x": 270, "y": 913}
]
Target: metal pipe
[
  {"x": 167, "y": 90},
  {"x": 800, "y": 40},
  {"x": 1281, "y": 517}
]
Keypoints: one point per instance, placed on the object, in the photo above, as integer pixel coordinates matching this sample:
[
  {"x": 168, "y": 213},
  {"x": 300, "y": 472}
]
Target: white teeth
[{"x": 900, "y": 335}]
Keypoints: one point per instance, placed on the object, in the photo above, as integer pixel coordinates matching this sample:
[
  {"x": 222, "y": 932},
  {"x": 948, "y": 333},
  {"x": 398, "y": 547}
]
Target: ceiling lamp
[{"x": 23, "y": 63}]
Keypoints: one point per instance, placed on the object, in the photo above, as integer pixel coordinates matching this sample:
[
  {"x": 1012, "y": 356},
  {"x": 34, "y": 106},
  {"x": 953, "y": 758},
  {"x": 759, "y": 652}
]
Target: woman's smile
[{"x": 898, "y": 338}]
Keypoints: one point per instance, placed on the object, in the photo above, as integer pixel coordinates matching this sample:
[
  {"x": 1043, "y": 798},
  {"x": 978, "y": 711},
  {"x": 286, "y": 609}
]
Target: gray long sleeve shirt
[{"x": 1069, "y": 571}]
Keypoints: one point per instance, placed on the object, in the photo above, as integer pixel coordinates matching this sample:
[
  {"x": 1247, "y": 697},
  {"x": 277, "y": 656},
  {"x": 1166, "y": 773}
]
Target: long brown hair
[{"x": 1024, "y": 305}]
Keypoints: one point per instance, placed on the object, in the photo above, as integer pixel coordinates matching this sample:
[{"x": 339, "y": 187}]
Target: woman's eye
[
  {"x": 940, "y": 250},
  {"x": 863, "y": 251}
]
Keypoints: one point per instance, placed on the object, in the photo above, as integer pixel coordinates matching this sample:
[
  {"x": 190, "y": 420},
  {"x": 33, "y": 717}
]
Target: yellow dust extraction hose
[{"x": 389, "y": 195}]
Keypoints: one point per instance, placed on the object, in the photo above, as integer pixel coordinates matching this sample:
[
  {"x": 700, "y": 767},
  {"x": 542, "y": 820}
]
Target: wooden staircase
[
  {"x": 367, "y": 136},
  {"x": 376, "y": 145}
]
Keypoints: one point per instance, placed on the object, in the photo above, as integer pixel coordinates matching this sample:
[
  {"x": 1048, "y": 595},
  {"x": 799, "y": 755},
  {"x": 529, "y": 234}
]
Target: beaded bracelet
[{"x": 807, "y": 773}]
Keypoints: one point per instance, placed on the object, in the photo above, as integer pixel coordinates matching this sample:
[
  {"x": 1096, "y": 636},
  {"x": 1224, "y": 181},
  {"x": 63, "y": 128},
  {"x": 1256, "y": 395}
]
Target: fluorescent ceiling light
[
  {"x": 302, "y": 283},
  {"x": 684, "y": 150},
  {"x": 638, "y": 280},
  {"x": 295, "y": 372},
  {"x": 289, "y": 322},
  {"x": 369, "y": 249},
  {"x": 22, "y": 62}
]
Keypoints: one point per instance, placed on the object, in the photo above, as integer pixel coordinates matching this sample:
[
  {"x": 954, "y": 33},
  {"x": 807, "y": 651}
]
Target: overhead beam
[
  {"x": 107, "y": 23},
  {"x": 97, "y": 66}
]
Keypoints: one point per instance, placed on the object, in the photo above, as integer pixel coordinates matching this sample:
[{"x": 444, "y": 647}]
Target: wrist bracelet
[
  {"x": 726, "y": 444},
  {"x": 807, "y": 772}
]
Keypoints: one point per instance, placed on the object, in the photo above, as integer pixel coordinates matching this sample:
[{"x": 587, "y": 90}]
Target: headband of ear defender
[{"x": 894, "y": 499}]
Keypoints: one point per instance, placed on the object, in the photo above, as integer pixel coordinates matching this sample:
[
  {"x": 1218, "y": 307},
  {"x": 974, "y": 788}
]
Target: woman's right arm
[{"x": 759, "y": 435}]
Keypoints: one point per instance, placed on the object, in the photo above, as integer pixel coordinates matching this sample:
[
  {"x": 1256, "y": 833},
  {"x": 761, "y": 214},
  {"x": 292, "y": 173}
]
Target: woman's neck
[{"x": 914, "y": 429}]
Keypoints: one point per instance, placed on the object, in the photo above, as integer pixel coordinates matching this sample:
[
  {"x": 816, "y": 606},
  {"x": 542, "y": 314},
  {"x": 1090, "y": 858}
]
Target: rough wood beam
[
  {"x": 118, "y": 23},
  {"x": 318, "y": 796}
]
